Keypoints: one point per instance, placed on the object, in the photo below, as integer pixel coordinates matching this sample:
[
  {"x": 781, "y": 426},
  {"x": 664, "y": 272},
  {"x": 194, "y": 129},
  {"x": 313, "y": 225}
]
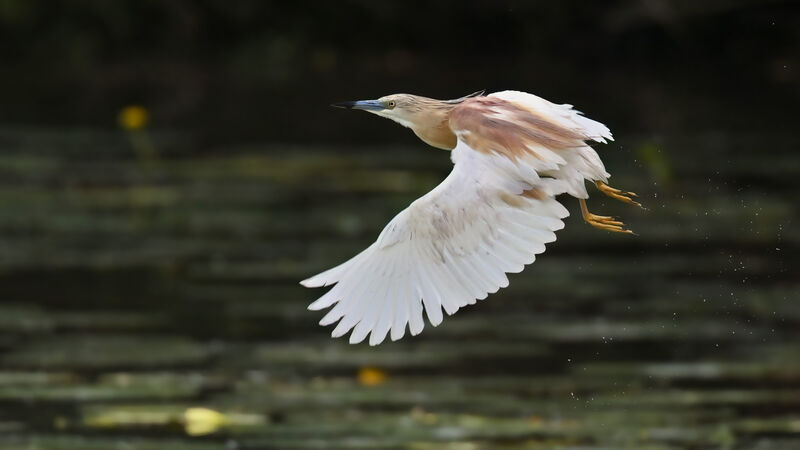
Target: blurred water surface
[{"x": 152, "y": 303}]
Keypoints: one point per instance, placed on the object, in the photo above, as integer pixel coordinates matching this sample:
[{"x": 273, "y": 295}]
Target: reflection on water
[{"x": 149, "y": 303}]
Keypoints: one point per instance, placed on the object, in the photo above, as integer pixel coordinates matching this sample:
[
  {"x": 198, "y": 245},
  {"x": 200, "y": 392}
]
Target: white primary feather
[{"x": 449, "y": 248}]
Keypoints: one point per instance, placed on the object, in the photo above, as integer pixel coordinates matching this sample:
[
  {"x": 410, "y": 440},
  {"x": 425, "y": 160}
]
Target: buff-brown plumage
[{"x": 513, "y": 154}]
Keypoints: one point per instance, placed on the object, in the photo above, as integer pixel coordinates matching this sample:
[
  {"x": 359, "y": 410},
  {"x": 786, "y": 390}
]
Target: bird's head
[{"x": 408, "y": 110}]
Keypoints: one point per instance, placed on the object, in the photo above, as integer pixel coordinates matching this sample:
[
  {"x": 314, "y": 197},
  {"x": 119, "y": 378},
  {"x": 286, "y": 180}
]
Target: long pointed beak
[{"x": 367, "y": 105}]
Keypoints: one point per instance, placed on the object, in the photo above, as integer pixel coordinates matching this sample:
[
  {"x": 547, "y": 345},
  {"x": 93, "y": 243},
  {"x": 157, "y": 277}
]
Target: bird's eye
[{"x": 390, "y": 104}]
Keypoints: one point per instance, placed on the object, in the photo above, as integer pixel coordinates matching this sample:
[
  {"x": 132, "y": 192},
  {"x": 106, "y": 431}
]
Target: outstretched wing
[
  {"x": 491, "y": 216},
  {"x": 450, "y": 247}
]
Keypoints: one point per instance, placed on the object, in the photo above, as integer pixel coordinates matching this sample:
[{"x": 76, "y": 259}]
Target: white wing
[
  {"x": 491, "y": 216},
  {"x": 450, "y": 247}
]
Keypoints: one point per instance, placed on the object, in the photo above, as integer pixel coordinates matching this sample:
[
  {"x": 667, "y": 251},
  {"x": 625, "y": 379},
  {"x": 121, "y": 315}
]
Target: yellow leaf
[
  {"x": 133, "y": 117},
  {"x": 370, "y": 376},
  {"x": 201, "y": 421}
]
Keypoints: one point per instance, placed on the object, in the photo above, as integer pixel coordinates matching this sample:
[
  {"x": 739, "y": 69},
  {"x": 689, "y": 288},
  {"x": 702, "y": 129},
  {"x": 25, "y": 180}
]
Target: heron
[{"x": 512, "y": 153}]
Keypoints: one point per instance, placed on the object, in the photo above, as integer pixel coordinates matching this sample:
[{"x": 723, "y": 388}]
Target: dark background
[
  {"x": 267, "y": 70},
  {"x": 149, "y": 272}
]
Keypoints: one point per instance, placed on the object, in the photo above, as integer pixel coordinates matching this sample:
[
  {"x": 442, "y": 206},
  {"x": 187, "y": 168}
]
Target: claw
[
  {"x": 607, "y": 223},
  {"x": 608, "y": 220},
  {"x": 623, "y": 196},
  {"x": 605, "y": 220},
  {"x": 612, "y": 228}
]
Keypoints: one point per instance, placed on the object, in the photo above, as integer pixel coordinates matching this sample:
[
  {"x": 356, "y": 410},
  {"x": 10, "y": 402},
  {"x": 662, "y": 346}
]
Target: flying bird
[{"x": 512, "y": 154}]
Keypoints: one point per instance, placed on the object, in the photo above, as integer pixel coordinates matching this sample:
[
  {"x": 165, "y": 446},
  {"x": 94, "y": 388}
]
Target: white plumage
[{"x": 491, "y": 216}]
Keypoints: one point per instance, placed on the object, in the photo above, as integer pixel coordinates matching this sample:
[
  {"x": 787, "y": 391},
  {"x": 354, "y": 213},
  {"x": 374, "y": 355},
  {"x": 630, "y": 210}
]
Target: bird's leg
[
  {"x": 602, "y": 222},
  {"x": 623, "y": 196}
]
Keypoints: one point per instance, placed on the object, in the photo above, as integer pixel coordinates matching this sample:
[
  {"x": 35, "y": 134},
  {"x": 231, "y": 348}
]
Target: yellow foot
[
  {"x": 607, "y": 223},
  {"x": 618, "y": 194}
]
